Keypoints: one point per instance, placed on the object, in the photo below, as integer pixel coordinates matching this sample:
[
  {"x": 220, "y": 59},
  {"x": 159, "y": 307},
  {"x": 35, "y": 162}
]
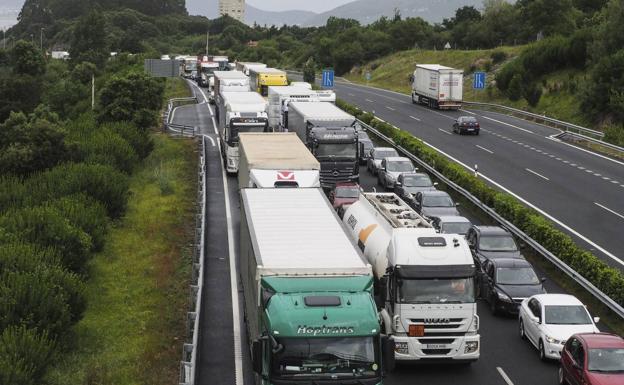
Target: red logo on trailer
[{"x": 286, "y": 175}]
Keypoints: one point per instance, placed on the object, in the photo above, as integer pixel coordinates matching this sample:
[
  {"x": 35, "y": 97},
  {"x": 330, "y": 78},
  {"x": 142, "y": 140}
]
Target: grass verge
[
  {"x": 176, "y": 88},
  {"x": 133, "y": 328}
]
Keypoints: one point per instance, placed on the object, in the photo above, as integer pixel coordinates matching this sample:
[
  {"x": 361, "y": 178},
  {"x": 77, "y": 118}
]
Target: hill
[{"x": 261, "y": 17}]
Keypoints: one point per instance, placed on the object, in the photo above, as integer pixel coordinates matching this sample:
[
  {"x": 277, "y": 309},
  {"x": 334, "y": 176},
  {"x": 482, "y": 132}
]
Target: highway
[
  {"x": 580, "y": 191},
  {"x": 224, "y": 356}
]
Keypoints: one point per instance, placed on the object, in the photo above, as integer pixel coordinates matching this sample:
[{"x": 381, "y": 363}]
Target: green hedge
[
  {"x": 609, "y": 280},
  {"x": 24, "y": 355}
]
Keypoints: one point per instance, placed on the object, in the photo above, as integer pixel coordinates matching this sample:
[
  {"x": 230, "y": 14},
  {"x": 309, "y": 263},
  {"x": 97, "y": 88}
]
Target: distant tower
[{"x": 233, "y": 8}]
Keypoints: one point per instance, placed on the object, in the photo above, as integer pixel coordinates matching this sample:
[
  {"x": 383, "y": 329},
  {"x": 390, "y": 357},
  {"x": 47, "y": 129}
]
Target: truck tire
[{"x": 413, "y": 100}]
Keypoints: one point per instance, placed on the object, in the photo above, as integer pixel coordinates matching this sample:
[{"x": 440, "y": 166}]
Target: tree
[
  {"x": 514, "y": 92},
  {"x": 26, "y": 59},
  {"x": 89, "y": 40},
  {"x": 548, "y": 16}
]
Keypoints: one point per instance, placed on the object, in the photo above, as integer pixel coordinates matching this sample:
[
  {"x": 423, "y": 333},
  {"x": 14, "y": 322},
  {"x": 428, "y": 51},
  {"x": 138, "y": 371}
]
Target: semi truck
[
  {"x": 238, "y": 112},
  {"x": 437, "y": 86},
  {"x": 228, "y": 81},
  {"x": 260, "y": 79},
  {"x": 273, "y": 160},
  {"x": 310, "y": 313},
  {"x": 330, "y": 134},
  {"x": 244, "y": 67},
  {"x": 279, "y": 97},
  {"x": 425, "y": 281},
  {"x": 205, "y": 71}
]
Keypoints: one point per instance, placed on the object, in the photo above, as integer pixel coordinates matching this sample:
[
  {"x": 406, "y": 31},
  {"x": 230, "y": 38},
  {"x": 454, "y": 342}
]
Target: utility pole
[
  {"x": 41, "y": 38},
  {"x": 207, "y": 41},
  {"x": 4, "y": 38},
  {"x": 92, "y": 91}
]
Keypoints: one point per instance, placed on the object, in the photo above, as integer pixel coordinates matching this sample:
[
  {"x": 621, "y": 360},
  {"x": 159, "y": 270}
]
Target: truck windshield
[
  {"x": 337, "y": 150},
  {"x": 237, "y": 128},
  {"x": 327, "y": 357},
  {"x": 457, "y": 290}
]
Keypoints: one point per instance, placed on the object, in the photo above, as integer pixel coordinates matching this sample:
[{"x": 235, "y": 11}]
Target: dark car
[
  {"x": 592, "y": 359},
  {"x": 466, "y": 125},
  {"x": 343, "y": 195},
  {"x": 491, "y": 242},
  {"x": 365, "y": 146},
  {"x": 434, "y": 204},
  {"x": 409, "y": 184},
  {"x": 451, "y": 224},
  {"x": 506, "y": 282}
]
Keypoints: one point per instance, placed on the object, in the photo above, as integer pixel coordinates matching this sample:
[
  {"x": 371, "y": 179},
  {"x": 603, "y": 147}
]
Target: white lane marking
[
  {"x": 390, "y": 108},
  {"x": 534, "y": 173},
  {"x": 236, "y": 327},
  {"x": 504, "y": 375},
  {"x": 510, "y": 125},
  {"x": 615, "y": 181},
  {"x": 439, "y": 113},
  {"x": 444, "y": 131},
  {"x": 485, "y": 149},
  {"x": 584, "y": 150},
  {"x": 370, "y": 101},
  {"x": 609, "y": 210},
  {"x": 469, "y": 112},
  {"x": 211, "y": 140},
  {"x": 415, "y": 118},
  {"x": 351, "y": 94},
  {"x": 606, "y": 178}
]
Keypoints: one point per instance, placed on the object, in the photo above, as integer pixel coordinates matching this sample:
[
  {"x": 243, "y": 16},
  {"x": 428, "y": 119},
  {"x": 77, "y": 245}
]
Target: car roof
[
  {"x": 510, "y": 262},
  {"x": 601, "y": 340},
  {"x": 453, "y": 219},
  {"x": 411, "y": 173},
  {"x": 396, "y": 159},
  {"x": 384, "y": 149},
  {"x": 557, "y": 299},
  {"x": 491, "y": 230},
  {"x": 434, "y": 192}
]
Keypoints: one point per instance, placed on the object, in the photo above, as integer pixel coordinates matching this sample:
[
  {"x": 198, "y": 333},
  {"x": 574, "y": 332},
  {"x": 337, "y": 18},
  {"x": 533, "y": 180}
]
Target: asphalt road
[
  {"x": 582, "y": 192},
  {"x": 505, "y": 358}
]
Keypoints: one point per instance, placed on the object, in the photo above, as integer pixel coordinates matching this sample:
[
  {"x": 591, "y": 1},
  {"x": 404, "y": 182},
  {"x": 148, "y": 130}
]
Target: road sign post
[
  {"x": 478, "y": 82},
  {"x": 328, "y": 78}
]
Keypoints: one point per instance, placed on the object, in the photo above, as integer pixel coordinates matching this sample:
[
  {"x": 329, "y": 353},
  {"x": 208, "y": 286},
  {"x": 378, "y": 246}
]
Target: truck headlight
[
  {"x": 401, "y": 347},
  {"x": 471, "y": 347}
]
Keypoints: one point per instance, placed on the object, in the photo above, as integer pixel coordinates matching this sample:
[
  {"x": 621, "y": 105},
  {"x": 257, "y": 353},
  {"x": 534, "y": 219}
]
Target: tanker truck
[{"x": 425, "y": 281}]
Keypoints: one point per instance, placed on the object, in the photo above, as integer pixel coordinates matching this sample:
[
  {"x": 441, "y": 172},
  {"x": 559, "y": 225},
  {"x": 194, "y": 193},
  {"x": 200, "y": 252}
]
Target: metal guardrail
[
  {"x": 178, "y": 129},
  {"x": 606, "y": 300},
  {"x": 188, "y": 365}
]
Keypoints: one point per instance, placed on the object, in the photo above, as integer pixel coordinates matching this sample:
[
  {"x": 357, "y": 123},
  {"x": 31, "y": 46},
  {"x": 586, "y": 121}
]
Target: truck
[
  {"x": 330, "y": 134},
  {"x": 437, "y": 86},
  {"x": 205, "y": 71},
  {"x": 310, "y": 314},
  {"x": 425, "y": 281},
  {"x": 260, "y": 79},
  {"x": 280, "y": 97},
  {"x": 276, "y": 160},
  {"x": 238, "y": 112},
  {"x": 228, "y": 81},
  {"x": 244, "y": 66}
]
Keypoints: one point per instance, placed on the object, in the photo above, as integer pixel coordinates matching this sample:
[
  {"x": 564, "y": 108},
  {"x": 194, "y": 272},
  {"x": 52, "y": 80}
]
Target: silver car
[
  {"x": 435, "y": 204},
  {"x": 377, "y": 154},
  {"x": 391, "y": 168}
]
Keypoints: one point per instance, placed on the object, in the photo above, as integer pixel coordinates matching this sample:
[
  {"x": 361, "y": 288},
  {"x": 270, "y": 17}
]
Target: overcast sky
[{"x": 307, "y": 5}]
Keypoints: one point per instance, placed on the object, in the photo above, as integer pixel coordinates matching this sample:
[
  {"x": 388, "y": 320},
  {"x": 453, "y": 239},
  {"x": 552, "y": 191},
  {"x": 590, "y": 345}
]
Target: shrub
[
  {"x": 515, "y": 90},
  {"x": 140, "y": 140},
  {"x": 106, "y": 147},
  {"x": 615, "y": 134},
  {"x": 24, "y": 355},
  {"x": 498, "y": 57},
  {"x": 532, "y": 94},
  {"x": 85, "y": 213}
]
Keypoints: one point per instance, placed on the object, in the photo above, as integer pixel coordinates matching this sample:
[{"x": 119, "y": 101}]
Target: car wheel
[
  {"x": 561, "y": 377},
  {"x": 493, "y": 308},
  {"x": 477, "y": 133},
  {"x": 542, "y": 351},
  {"x": 521, "y": 330}
]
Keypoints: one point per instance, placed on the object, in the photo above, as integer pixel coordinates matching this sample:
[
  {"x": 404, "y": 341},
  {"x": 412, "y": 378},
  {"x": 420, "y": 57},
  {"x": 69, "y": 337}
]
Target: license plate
[
  {"x": 436, "y": 346},
  {"x": 470, "y": 129}
]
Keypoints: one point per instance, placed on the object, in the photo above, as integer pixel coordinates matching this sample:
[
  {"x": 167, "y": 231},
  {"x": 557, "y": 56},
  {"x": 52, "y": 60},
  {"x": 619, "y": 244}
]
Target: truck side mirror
[
  {"x": 256, "y": 356},
  {"x": 380, "y": 297},
  {"x": 387, "y": 348}
]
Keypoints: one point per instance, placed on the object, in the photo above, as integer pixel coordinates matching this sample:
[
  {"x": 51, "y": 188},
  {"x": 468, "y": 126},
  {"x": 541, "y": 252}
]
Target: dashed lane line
[
  {"x": 415, "y": 118},
  {"x": 444, "y": 131},
  {"x": 609, "y": 210},
  {"x": 390, "y": 108},
  {"x": 504, "y": 375},
  {"x": 485, "y": 149},
  {"x": 370, "y": 101},
  {"x": 538, "y": 174}
]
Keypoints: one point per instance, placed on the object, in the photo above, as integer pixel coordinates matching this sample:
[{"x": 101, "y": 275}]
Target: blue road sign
[
  {"x": 328, "y": 78},
  {"x": 479, "y": 81},
  {"x": 368, "y": 76}
]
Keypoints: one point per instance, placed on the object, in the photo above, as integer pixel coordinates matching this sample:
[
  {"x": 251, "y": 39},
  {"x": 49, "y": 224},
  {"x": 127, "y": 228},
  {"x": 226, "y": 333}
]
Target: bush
[
  {"x": 24, "y": 355},
  {"x": 106, "y": 147},
  {"x": 140, "y": 140},
  {"x": 498, "y": 57},
  {"x": 515, "y": 91},
  {"x": 532, "y": 94},
  {"x": 86, "y": 214},
  {"x": 615, "y": 134}
]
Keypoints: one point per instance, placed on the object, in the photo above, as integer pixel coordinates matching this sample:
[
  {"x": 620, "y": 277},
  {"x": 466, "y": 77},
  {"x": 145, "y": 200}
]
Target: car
[
  {"x": 506, "y": 282},
  {"x": 549, "y": 320},
  {"x": 377, "y": 154},
  {"x": 343, "y": 195},
  {"x": 592, "y": 359},
  {"x": 365, "y": 146},
  {"x": 466, "y": 124},
  {"x": 451, "y": 224},
  {"x": 435, "y": 204},
  {"x": 410, "y": 183},
  {"x": 491, "y": 242},
  {"x": 391, "y": 168}
]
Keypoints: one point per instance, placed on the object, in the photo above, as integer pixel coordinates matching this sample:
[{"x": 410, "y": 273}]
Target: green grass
[
  {"x": 133, "y": 329},
  {"x": 176, "y": 88}
]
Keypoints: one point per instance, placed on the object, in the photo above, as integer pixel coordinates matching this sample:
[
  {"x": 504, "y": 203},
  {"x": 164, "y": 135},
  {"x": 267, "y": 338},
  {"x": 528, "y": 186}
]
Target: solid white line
[
  {"x": 510, "y": 125},
  {"x": 584, "y": 150},
  {"x": 444, "y": 131},
  {"x": 390, "y": 108},
  {"x": 531, "y": 205},
  {"x": 415, "y": 118},
  {"x": 485, "y": 149},
  {"x": 534, "y": 173},
  {"x": 469, "y": 112},
  {"x": 609, "y": 210},
  {"x": 211, "y": 140},
  {"x": 504, "y": 375}
]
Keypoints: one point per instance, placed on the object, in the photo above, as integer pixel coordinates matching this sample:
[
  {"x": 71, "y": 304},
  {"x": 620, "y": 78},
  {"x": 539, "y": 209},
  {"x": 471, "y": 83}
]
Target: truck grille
[
  {"x": 333, "y": 176},
  {"x": 436, "y": 352}
]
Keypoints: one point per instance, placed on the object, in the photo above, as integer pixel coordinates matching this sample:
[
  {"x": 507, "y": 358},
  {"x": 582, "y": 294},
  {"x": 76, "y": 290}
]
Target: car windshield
[
  {"x": 566, "y": 315},
  {"x": 347, "y": 192},
  {"x": 516, "y": 276},
  {"x": 414, "y": 291},
  {"x": 417, "y": 181},
  {"x": 606, "y": 360},
  {"x": 455, "y": 227},
  {"x": 403, "y": 166},
  {"x": 467, "y": 119},
  {"x": 337, "y": 150},
  {"x": 497, "y": 243},
  {"x": 380, "y": 154},
  {"x": 437, "y": 201},
  {"x": 327, "y": 357}
]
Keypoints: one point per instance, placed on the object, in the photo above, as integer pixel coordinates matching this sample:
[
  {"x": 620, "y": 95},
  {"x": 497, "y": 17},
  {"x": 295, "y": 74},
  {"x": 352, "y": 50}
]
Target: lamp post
[{"x": 41, "y": 38}]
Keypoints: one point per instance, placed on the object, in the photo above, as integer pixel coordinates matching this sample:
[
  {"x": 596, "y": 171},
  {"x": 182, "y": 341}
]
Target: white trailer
[
  {"x": 438, "y": 86},
  {"x": 228, "y": 81},
  {"x": 425, "y": 280},
  {"x": 273, "y": 160},
  {"x": 279, "y": 97},
  {"x": 244, "y": 67}
]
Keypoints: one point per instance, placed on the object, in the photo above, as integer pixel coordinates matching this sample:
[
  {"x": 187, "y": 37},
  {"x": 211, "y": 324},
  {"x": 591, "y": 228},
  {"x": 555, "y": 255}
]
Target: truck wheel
[{"x": 413, "y": 100}]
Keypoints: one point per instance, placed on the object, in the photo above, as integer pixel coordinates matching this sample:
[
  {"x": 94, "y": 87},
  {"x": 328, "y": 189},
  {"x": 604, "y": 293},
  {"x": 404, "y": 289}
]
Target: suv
[
  {"x": 491, "y": 242},
  {"x": 451, "y": 224},
  {"x": 466, "y": 124},
  {"x": 409, "y": 184},
  {"x": 391, "y": 168},
  {"x": 435, "y": 204},
  {"x": 377, "y": 154}
]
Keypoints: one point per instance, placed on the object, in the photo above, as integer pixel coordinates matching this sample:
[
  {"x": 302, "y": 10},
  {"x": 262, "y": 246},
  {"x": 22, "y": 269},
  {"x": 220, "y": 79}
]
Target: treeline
[{"x": 64, "y": 177}]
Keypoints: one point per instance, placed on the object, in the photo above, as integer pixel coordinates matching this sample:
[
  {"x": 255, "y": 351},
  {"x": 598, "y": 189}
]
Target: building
[{"x": 233, "y": 8}]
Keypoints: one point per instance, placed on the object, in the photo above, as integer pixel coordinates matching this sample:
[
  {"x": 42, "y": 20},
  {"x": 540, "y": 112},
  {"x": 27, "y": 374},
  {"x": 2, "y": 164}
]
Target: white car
[
  {"x": 548, "y": 320},
  {"x": 391, "y": 168}
]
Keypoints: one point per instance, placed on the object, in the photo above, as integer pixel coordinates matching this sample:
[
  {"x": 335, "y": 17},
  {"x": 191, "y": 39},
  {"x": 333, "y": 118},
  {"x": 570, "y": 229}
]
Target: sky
[{"x": 317, "y": 6}]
